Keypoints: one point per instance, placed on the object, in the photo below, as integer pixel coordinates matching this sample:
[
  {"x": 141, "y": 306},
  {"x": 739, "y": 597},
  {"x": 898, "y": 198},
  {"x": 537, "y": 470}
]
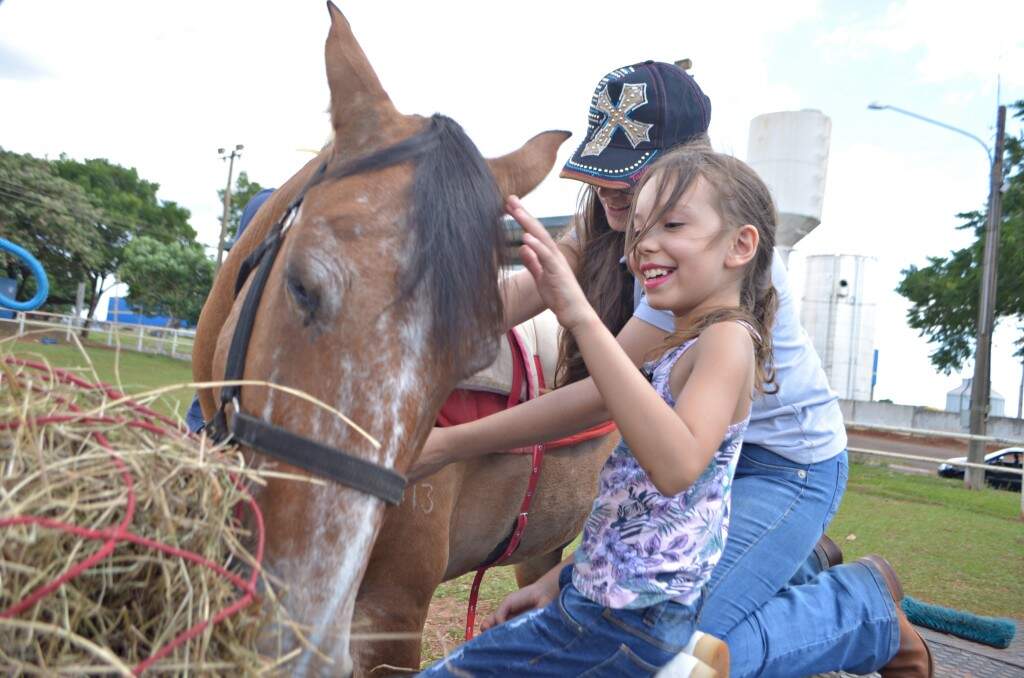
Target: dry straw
[{"x": 83, "y": 471}]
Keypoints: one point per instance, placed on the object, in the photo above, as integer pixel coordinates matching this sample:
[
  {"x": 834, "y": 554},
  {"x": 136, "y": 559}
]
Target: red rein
[{"x": 113, "y": 536}]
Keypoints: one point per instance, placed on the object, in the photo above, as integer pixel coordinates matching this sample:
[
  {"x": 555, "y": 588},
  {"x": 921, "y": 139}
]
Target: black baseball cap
[{"x": 637, "y": 112}]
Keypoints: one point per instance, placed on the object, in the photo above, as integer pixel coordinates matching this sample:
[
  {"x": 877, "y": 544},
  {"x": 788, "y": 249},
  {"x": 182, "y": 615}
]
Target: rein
[{"x": 321, "y": 460}]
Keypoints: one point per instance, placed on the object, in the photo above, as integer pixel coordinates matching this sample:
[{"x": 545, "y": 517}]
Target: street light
[
  {"x": 980, "y": 387},
  {"x": 236, "y": 152}
]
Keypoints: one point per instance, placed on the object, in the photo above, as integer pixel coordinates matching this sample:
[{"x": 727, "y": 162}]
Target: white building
[{"x": 838, "y": 314}]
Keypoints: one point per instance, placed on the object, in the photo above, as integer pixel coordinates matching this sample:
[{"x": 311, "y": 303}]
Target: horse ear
[
  {"x": 520, "y": 171},
  {"x": 359, "y": 103}
]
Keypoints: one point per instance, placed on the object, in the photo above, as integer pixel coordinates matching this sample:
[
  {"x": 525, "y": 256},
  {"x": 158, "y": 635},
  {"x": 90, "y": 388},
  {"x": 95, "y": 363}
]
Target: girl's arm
[
  {"x": 556, "y": 414},
  {"x": 673, "y": 446}
]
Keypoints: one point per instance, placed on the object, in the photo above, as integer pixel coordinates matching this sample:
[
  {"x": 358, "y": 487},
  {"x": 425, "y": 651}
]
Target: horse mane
[{"x": 458, "y": 244}]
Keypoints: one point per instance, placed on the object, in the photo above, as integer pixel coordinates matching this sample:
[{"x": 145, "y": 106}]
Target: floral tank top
[{"x": 640, "y": 547}]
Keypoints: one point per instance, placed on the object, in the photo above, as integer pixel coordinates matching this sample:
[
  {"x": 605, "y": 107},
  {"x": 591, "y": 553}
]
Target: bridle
[{"x": 322, "y": 460}]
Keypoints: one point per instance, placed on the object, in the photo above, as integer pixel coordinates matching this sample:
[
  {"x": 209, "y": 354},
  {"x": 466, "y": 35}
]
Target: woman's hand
[
  {"x": 434, "y": 457},
  {"x": 553, "y": 275},
  {"x": 532, "y": 597}
]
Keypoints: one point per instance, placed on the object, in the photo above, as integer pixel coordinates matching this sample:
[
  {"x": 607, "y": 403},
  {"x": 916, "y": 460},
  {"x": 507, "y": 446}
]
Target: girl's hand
[
  {"x": 532, "y": 597},
  {"x": 555, "y": 279},
  {"x": 434, "y": 457}
]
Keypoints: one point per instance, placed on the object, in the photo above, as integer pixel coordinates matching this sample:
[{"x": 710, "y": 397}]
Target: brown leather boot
[
  {"x": 913, "y": 658},
  {"x": 828, "y": 552}
]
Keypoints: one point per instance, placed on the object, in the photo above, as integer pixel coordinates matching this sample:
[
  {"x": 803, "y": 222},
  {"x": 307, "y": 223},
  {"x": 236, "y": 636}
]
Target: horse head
[{"x": 382, "y": 297}]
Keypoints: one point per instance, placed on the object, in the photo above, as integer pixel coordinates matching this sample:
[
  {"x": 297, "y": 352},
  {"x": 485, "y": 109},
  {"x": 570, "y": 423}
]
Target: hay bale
[{"x": 69, "y": 458}]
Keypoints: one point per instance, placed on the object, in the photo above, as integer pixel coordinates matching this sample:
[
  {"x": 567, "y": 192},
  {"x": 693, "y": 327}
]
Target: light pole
[
  {"x": 974, "y": 478},
  {"x": 236, "y": 152}
]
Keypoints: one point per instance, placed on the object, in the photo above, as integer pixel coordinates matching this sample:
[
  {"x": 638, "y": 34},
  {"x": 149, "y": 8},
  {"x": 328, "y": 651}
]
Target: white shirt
[{"x": 802, "y": 420}]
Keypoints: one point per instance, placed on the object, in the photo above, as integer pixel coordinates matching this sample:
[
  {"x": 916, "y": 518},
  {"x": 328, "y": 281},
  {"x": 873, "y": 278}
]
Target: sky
[{"x": 160, "y": 86}]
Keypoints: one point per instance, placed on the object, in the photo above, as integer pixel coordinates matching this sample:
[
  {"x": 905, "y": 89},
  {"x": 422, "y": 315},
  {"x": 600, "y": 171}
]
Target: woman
[{"x": 768, "y": 597}]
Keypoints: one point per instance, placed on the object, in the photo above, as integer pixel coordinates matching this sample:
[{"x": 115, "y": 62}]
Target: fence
[{"x": 174, "y": 343}]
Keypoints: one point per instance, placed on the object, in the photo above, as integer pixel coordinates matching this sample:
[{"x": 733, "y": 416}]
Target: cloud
[
  {"x": 949, "y": 41},
  {"x": 16, "y": 66}
]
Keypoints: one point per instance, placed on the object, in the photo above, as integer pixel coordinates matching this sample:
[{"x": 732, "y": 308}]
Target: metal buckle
[{"x": 289, "y": 217}]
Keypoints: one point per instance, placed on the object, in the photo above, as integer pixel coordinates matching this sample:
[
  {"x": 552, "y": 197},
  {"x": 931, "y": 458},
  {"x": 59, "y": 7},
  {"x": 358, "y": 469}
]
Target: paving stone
[{"x": 958, "y": 658}]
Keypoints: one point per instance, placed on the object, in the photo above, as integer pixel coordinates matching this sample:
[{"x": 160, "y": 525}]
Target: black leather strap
[
  {"x": 322, "y": 460},
  {"x": 235, "y": 367}
]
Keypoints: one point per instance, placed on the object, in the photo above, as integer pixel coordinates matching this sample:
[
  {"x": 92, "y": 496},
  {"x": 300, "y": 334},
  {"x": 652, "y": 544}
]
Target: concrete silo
[
  {"x": 959, "y": 400},
  {"x": 789, "y": 150},
  {"x": 838, "y": 313}
]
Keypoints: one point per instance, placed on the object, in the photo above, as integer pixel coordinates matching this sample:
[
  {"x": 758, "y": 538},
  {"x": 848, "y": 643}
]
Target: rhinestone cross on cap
[{"x": 634, "y": 95}]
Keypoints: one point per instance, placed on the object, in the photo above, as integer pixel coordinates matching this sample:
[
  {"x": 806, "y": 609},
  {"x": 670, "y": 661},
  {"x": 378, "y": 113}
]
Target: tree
[
  {"x": 944, "y": 294},
  {"x": 167, "y": 278},
  {"x": 53, "y": 219},
  {"x": 244, "y": 191},
  {"x": 128, "y": 208}
]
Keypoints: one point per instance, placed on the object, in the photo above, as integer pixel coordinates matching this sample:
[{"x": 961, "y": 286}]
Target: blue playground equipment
[{"x": 42, "y": 284}]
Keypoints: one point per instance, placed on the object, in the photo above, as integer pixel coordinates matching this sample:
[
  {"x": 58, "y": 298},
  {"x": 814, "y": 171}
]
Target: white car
[{"x": 1006, "y": 458}]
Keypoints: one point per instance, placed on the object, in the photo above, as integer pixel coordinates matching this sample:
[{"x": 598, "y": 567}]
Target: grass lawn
[
  {"x": 126, "y": 370},
  {"x": 950, "y": 546}
]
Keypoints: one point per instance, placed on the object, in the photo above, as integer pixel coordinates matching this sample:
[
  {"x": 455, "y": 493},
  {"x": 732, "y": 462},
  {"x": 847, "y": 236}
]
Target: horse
[{"x": 382, "y": 296}]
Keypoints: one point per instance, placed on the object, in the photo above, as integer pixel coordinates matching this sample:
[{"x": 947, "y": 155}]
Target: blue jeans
[
  {"x": 768, "y": 597},
  {"x": 194, "y": 417},
  {"x": 574, "y": 636}
]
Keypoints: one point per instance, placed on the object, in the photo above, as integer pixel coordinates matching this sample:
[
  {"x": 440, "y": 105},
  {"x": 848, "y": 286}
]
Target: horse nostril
[{"x": 307, "y": 299}]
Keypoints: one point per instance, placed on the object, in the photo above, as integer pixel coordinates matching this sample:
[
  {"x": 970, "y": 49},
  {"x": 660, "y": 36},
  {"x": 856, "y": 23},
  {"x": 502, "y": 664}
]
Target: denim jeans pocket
[
  {"x": 796, "y": 473},
  {"x": 568, "y": 598},
  {"x": 624, "y": 662},
  {"x": 670, "y": 631}
]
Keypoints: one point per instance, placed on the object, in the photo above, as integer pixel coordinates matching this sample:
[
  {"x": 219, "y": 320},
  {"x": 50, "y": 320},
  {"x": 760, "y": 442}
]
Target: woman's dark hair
[{"x": 607, "y": 283}]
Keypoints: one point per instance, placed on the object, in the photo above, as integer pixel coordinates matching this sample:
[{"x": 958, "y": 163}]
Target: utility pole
[
  {"x": 1020, "y": 392},
  {"x": 974, "y": 478},
  {"x": 236, "y": 152}
]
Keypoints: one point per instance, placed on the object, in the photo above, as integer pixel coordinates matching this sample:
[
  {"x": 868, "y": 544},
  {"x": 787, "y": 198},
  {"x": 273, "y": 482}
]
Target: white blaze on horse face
[
  {"x": 268, "y": 406},
  {"x": 399, "y": 371},
  {"x": 383, "y": 384},
  {"x": 340, "y": 547}
]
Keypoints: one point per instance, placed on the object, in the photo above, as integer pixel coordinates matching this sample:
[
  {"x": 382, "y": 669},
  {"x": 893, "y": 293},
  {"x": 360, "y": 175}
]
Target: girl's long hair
[{"x": 741, "y": 197}]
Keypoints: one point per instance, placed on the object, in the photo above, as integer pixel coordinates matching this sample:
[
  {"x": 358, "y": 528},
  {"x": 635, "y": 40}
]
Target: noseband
[{"x": 319, "y": 459}]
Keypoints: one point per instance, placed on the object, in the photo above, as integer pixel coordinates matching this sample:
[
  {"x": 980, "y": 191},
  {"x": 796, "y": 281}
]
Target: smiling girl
[{"x": 703, "y": 229}]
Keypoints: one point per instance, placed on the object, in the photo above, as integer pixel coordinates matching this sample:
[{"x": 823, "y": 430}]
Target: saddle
[
  {"x": 524, "y": 367},
  {"x": 537, "y": 338}
]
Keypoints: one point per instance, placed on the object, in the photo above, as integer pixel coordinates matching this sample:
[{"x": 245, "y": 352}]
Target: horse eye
[{"x": 307, "y": 299}]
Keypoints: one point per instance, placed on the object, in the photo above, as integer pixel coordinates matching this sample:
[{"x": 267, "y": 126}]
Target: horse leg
[{"x": 533, "y": 569}]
